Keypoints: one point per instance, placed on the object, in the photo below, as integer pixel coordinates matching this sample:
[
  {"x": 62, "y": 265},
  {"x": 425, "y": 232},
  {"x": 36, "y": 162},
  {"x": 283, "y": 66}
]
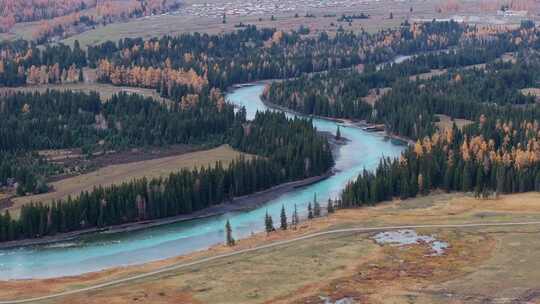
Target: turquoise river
[{"x": 102, "y": 251}]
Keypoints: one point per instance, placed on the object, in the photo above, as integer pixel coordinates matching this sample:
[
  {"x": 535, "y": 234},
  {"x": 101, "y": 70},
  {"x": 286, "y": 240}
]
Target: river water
[{"x": 102, "y": 251}]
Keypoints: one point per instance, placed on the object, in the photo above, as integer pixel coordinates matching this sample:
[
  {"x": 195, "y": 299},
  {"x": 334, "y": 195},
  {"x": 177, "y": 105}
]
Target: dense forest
[
  {"x": 222, "y": 60},
  {"x": 60, "y": 120},
  {"x": 252, "y": 54},
  {"x": 53, "y": 120},
  {"x": 494, "y": 91},
  {"x": 24, "y": 63},
  {"x": 405, "y": 101},
  {"x": 489, "y": 157},
  {"x": 498, "y": 153}
]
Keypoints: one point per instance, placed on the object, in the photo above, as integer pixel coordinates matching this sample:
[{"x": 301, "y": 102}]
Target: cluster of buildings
[{"x": 261, "y": 7}]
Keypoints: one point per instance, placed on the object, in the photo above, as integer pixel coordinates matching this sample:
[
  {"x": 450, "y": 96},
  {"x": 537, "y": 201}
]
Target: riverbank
[
  {"x": 242, "y": 203},
  {"x": 346, "y": 122}
]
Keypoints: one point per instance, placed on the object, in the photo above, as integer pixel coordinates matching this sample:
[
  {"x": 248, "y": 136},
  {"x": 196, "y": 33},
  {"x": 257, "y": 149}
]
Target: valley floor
[{"x": 481, "y": 265}]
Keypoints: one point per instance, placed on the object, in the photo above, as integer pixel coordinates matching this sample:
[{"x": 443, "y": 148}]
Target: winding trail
[{"x": 271, "y": 245}]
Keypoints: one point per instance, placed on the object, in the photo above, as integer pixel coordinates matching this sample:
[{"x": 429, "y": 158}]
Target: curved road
[{"x": 248, "y": 250}]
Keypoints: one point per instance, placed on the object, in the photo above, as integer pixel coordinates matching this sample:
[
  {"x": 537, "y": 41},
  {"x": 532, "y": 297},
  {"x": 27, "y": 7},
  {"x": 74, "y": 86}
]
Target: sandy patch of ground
[
  {"x": 115, "y": 174},
  {"x": 509, "y": 57},
  {"x": 428, "y": 75},
  {"x": 533, "y": 92},
  {"x": 446, "y": 122}
]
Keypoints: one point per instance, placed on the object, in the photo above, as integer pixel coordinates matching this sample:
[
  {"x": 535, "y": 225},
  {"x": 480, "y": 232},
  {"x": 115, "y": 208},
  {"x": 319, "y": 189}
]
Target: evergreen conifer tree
[
  {"x": 268, "y": 223},
  {"x": 283, "y": 218},
  {"x": 295, "y": 219},
  {"x": 316, "y": 207},
  {"x": 310, "y": 211}
]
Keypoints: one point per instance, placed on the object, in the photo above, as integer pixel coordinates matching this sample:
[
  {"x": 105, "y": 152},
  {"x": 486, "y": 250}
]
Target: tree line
[{"x": 453, "y": 161}]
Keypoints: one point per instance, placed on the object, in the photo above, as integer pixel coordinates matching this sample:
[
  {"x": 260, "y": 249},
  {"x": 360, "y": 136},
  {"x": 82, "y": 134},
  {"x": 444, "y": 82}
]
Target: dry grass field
[
  {"x": 116, "y": 174},
  {"x": 481, "y": 265}
]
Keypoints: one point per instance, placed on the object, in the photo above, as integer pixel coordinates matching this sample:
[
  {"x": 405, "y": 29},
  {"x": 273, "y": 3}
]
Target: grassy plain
[
  {"x": 116, "y": 174},
  {"x": 482, "y": 265}
]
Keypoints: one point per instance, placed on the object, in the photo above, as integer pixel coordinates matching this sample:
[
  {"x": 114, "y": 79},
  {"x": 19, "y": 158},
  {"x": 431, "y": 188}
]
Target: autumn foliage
[
  {"x": 65, "y": 17},
  {"x": 149, "y": 77},
  {"x": 15, "y": 11}
]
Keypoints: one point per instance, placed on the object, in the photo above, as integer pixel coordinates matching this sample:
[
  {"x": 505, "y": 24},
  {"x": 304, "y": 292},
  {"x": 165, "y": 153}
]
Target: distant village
[{"x": 261, "y": 7}]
